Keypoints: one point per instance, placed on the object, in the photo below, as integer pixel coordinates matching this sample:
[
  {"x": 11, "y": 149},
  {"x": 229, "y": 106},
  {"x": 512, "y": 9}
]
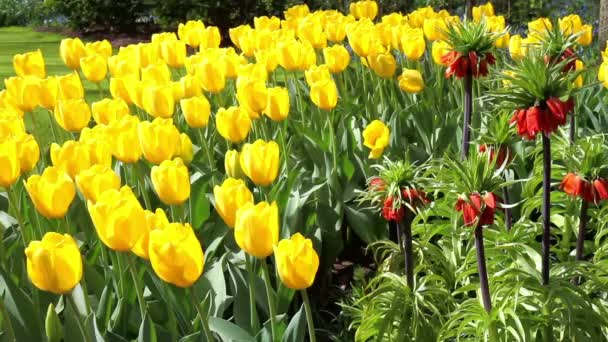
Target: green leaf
[
  {"x": 228, "y": 331},
  {"x": 366, "y": 224},
  {"x": 296, "y": 329},
  {"x": 201, "y": 209},
  {"x": 52, "y": 325},
  {"x": 147, "y": 333},
  {"x": 21, "y": 312}
]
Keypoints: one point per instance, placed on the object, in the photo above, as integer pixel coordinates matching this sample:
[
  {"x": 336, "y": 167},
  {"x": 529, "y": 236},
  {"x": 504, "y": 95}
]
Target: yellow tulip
[
  {"x": 158, "y": 100},
  {"x": 106, "y": 111},
  {"x": 324, "y": 94},
  {"x": 411, "y": 81},
  {"x": 253, "y": 95},
  {"x": 538, "y": 29},
  {"x": 364, "y": 9},
  {"x": 277, "y": 107},
  {"x": 256, "y": 229},
  {"x": 159, "y": 140},
  {"x": 154, "y": 220},
  {"x": 72, "y": 157},
  {"x": 8, "y": 103},
  {"x": 52, "y": 192},
  {"x": 229, "y": 197},
  {"x": 70, "y": 86},
  {"x": 413, "y": 44},
  {"x": 294, "y": 55},
  {"x": 125, "y": 140},
  {"x": 118, "y": 218},
  {"x": 94, "y": 68},
  {"x": 196, "y": 111},
  {"x": 232, "y": 164},
  {"x": 585, "y": 37},
  {"x": 211, "y": 38},
  {"x": 383, "y": 64},
  {"x": 260, "y": 162},
  {"x": 176, "y": 254},
  {"x": 486, "y": 10},
  {"x": 158, "y": 73},
  {"x": 54, "y": 264},
  {"x": 311, "y": 31},
  {"x": 71, "y": 51},
  {"x": 171, "y": 181},
  {"x": 376, "y": 136},
  {"x": 163, "y": 37},
  {"x": 100, "y": 47},
  {"x": 211, "y": 75},
  {"x": 93, "y": 181},
  {"x": 517, "y": 47},
  {"x": 177, "y": 91},
  {"x": 119, "y": 89},
  {"x": 28, "y": 151},
  {"x": 394, "y": 19},
  {"x": 264, "y": 22},
  {"x": 26, "y": 91},
  {"x": 296, "y": 11},
  {"x": 186, "y": 149},
  {"x": 191, "y": 86},
  {"x": 578, "y": 82},
  {"x": 336, "y": 58},
  {"x": 123, "y": 67},
  {"x": 135, "y": 90},
  {"x": 11, "y": 124},
  {"x": 267, "y": 58},
  {"x": 363, "y": 38},
  {"x": 191, "y": 32},
  {"x": 9, "y": 159},
  {"x": 173, "y": 53},
  {"x": 233, "y": 123},
  {"x": 72, "y": 115},
  {"x": 297, "y": 262},
  {"x": 30, "y": 64},
  {"x": 440, "y": 49},
  {"x": 100, "y": 151},
  {"x": 49, "y": 87},
  {"x": 317, "y": 73},
  {"x": 236, "y": 33},
  {"x": 232, "y": 62},
  {"x": 602, "y": 74},
  {"x": 335, "y": 29}
]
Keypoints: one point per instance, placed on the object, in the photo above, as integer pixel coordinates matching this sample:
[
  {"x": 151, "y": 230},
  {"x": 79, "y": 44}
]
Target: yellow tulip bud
[
  {"x": 176, "y": 254},
  {"x": 93, "y": 181},
  {"x": 196, "y": 111},
  {"x": 585, "y": 37},
  {"x": 186, "y": 149},
  {"x": 233, "y": 123},
  {"x": 294, "y": 55},
  {"x": 364, "y": 9},
  {"x": 158, "y": 100},
  {"x": 70, "y": 86},
  {"x": 173, "y": 53},
  {"x": 232, "y": 164},
  {"x": 336, "y": 30},
  {"x": 49, "y": 87},
  {"x": 95, "y": 133},
  {"x": 211, "y": 38},
  {"x": 253, "y": 95},
  {"x": 106, "y": 111},
  {"x": 236, "y": 33},
  {"x": 28, "y": 151},
  {"x": 123, "y": 67},
  {"x": 317, "y": 73},
  {"x": 310, "y": 30},
  {"x": 479, "y": 12},
  {"x": 163, "y": 37},
  {"x": 440, "y": 49},
  {"x": 118, "y": 218},
  {"x": 9, "y": 159},
  {"x": 171, "y": 181},
  {"x": 260, "y": 162},
  {"x": 100, "y": 47},
  {"x": 538, "y": 29},
  {"x": 411, "y": 81},
  {"x": 25, "y": 91},
  {"x": 54, "y": 264},
  {"x": 413, "y": 44},
  {"x": 578, "y": 82},
  {"x": 30, "y": 64},
  {"x": 336, "y": 58},
  {"x": 277, "y": 107},
  {"x": 159, "y": 140},
  {"x": 517, "y": 47},
  {"x": 268, "y": 58},
  {"x": 72, "y": 157},
  {"x": 229, "y": 197},
  {"x": 71, "y": 51},
  {"x": 376, "y": 136},
  {"x": 52, "y": 192},
  {"x": 296, "y": 11},
  {"x": 72, "y": 115},
  {"x": 125, "y": 140},
  {"x": 11, "y": 124},
  {"x": 211, "y": 75},
  {"x": 264, "y": 22},
  {"x": 191, "y": 32},
  {"x": 119, "y": 90},
  {"x": 154, "y": 220},
  {"x": 383, "y": 64},
  {"x": 158, "y": 73},
  {"x": 8, "y": 103},
  {"x": 297, "y": 262},
  {"x": 256, "y": 229},
  {"x": 324, "y": 94},
  {"x": 191, "y": 86},
  {"x": 94, "y": 68}
]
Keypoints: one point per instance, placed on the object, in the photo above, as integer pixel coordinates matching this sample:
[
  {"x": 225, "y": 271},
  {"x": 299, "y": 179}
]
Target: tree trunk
[{"x": 603, "y": 31}]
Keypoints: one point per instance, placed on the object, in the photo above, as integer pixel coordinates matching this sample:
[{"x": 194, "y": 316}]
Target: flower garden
[{"x": 323, "y": 176}]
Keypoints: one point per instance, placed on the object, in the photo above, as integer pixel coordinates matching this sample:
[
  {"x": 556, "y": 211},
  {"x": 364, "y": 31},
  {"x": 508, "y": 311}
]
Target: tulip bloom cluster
[
  {"x": 545, "y": 118},
  {"x": 591, "y": 191},
  {"x": 478, "y": 209}
]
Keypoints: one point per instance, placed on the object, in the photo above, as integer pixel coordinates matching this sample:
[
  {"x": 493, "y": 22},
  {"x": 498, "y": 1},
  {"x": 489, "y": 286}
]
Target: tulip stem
[
  {"x": 271, "y": 307},
  {"x": 483, "y": 272},
  {"x": 204, "y": 317},
  {"x": 210, "y": 160},
  {"x": 546, "y": 209},
  {"x": 332, "y": 142},
  {"x": 580, "y": 241},
  {"x": 310, "y": 322},
  {"x": 137, "y": 285},
  {"x": 406, "y": 226},
  {"x": 141, "y": 180},
  {"x": 15, "y": 203},
  {"x": 468, "y": 108},
  {"x": 79, "y": 322},
  {"x": 252, "y": 305}
]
